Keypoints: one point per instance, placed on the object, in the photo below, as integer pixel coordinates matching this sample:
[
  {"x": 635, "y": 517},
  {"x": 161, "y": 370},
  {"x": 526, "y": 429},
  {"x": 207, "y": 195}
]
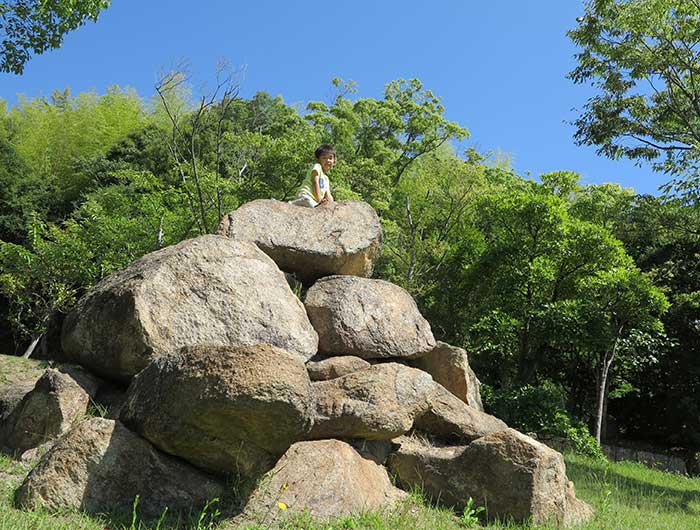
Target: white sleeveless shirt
[{"x": 323, "y": 183}]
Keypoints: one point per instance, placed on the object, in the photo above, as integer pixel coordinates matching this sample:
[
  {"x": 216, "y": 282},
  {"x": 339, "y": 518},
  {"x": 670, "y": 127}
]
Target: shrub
[{"x": 540, "y": 409}]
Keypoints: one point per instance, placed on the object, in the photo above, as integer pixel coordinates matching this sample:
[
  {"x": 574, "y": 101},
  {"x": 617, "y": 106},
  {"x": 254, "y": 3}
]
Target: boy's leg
[{"x": 304, "y": 200}]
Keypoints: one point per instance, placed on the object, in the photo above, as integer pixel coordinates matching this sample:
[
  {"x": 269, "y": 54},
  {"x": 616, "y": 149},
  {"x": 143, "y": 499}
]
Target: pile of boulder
[{"x": 312, "y": 406}]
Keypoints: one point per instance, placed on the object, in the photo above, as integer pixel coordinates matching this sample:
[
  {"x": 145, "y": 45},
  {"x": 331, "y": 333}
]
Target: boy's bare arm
[{"x": 317, "y": 187}]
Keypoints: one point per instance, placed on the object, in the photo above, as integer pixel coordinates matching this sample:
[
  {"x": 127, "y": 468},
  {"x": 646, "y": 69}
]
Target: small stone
[
  {"x": 48, "y": 410},
  {"x": 326, "y": 478},
  {"x": 511, "y": 474},
  {"x": 388, "y": 400},
  {"x": 449, "y": 366}
]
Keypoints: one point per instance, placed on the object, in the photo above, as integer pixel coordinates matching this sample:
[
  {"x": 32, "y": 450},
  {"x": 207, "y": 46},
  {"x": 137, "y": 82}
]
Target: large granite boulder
[
  {"x": 388, "y": 400},
  {"x": 511, "y": 474},
  {"x": 371, "y": 319},
  {"x": 207, "y": 290},
  {"x": 226, "y": 409},
  {"x": 336, "y": 238},
  {"x": 57, "y": 400},
  {"x": 449, "y": 366},
  {"x": 100, "y": 466},
  {"x": 326, "y": 478}
]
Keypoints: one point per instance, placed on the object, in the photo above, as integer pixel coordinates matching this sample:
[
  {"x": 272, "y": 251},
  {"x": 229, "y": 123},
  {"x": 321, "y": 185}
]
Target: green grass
[
  {"x": 630, "y": 495},
  {"x": 624, "y": 495},
  {"x": 18, "y": 370}
]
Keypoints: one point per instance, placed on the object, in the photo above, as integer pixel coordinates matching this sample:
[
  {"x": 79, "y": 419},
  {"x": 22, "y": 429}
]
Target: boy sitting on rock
[{"x": 320, "y": 190}]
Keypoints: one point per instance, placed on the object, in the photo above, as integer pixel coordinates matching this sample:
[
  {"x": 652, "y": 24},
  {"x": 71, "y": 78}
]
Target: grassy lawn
[
  {"x": 629, "y": 495},
  {"x": 624, "y": 495}
]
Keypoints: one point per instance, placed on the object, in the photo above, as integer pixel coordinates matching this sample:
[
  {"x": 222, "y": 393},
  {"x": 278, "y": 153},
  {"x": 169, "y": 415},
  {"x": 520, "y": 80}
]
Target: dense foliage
[
  {"x": 642, "y": 57},
  {"x": 555, "y": 289},
  {"x": 35, "y": 26}
]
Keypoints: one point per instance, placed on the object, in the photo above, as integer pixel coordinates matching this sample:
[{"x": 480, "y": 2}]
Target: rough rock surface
[
  {"x": 577, "y": 512},
  {"x": 101, "y": 466},
  {"x": 449, "y": 366},
  {"x": 48, "y": 410},
  {"x": 335, "y": 367},
  {"x": 328, "y": 478},
  {"x": 227, "y": 409},
  {"x": 512, "y": 474},
  {"x": 367, "y": 318},
  {"x": 10, "y": 397},
  {"x": 338, "y": 238},
  {"x": 387, "y": 400},
  {"x": 35, "y": 453},
  {"x": 207, "y": 290}
]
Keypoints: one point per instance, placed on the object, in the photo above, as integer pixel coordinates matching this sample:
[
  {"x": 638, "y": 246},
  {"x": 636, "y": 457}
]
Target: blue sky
[{"x": 498, "y": 66}]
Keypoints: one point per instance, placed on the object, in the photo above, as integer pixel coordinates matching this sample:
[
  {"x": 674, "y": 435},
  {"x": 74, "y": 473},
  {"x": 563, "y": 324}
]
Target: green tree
[
  {"x": 380, "y": 139},
  {"x": 642, "y": 56},
  {"x": 527, "y": 278},
  {"x": 264, "y": 114},
  {"x": 429, "y": 219},
  {"x": 662, "y": 235},
  {"x": 190, "y": 144},
  {"x": 51, "y": 136},
  {"x": 552, "y": 296},
  {"x": 17, "y": 190},
  {"x": 621, "y": 307},
  {"x": 115, "y": 225},
  {"x": 34, "y": 26}
]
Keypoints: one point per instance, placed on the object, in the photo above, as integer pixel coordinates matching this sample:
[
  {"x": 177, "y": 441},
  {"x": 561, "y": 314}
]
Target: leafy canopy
[
  {"x": 34, "y": 26},
  {"x": 643, "y": 58}
]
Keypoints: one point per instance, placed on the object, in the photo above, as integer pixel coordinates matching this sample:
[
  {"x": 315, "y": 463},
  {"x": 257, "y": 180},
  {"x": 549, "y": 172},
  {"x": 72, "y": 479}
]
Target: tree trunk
[
  {"x": 526, "y": 366},
  {"x": 604, "y": 417},
  {"x": 30, "y": 349},
  {"x": 601, "y": 391},
  {"x": 600, "y": 396}
]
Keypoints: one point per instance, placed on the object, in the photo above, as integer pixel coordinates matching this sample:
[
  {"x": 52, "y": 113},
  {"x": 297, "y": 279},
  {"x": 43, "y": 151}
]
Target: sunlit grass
[{"x": 629, "y": 495}]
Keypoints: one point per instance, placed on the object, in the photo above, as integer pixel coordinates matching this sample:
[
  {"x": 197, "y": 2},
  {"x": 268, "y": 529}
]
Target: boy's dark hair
[{"x": 324, "y": 148}]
